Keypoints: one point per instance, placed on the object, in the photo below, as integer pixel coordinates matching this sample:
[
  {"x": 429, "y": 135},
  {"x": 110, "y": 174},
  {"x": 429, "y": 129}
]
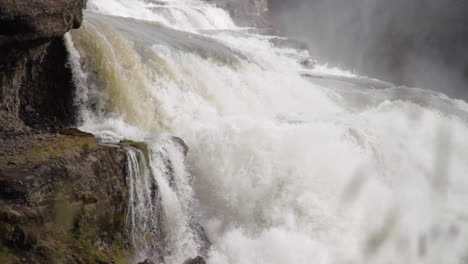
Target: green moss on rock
[
  {"x": 53, "y": 147},
  {"x": 72, "y": 210},
  {"x": 71, "y": 237},
  {"x": 138, "y": 145},
  {"x": 75, "y": 132}
]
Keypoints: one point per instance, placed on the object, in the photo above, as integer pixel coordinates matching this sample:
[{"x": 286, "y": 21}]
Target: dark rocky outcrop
[
  {"x": 63, "y": 195},
  {"x": 36, "y": 88}
]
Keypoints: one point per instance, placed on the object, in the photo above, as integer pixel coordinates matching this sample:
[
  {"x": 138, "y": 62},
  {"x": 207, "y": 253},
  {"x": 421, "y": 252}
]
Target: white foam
[{"x": 285, "y": 171}]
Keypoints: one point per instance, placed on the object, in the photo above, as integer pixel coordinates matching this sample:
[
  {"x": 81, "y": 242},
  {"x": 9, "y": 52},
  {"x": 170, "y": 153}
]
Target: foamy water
[{"x": 286, "y": 168}]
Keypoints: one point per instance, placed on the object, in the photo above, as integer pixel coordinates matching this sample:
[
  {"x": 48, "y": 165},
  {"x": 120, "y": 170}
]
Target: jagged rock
[{"x": 196, "y": 260}]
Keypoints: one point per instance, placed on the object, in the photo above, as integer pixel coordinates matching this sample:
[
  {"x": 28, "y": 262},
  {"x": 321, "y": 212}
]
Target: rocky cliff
[
  {"x": 63, "y": 195},
  {"x": 62, "y": 200},
  {"x": 35, "y": 86}
]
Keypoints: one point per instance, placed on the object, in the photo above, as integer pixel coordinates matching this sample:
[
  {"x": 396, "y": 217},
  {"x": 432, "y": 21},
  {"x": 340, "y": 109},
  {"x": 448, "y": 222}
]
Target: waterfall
[
  {"x": 144, "y": 220},
  {"x": 288, "y": 163},
  {"x": 159, "y": 221}
]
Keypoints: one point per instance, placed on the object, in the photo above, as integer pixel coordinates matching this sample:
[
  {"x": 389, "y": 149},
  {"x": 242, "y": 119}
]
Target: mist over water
[
  {"x": 417, "y": 43},
  {"x": 287, "y": 164}
]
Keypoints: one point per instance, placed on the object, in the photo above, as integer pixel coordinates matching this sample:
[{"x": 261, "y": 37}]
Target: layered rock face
[{"x": 35, "y": 86}]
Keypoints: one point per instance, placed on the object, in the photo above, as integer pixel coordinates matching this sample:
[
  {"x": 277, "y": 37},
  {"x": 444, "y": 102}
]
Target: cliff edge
[
  {"x": 63, "y": 195},
  {"x": 36, "y": 88}
]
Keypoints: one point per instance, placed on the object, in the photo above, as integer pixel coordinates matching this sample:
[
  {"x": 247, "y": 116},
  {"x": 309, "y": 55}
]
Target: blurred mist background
[{"x": 417, "y": 43}]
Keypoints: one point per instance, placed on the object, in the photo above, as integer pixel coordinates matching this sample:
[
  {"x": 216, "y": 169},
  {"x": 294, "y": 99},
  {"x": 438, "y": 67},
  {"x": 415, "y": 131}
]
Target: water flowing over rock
[
  {"x": 160, "y": 222},
  {"x": 216, "y": 144},
  {"x": 290, "y": 161},
  {"x": 63, "y": 195}
]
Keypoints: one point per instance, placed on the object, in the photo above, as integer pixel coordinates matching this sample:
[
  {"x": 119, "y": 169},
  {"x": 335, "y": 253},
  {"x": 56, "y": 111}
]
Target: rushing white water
[
  {"x": 289, "y": 165},
  {"x": 160, "y": 203},
  {"x": 144, "y": 207}
]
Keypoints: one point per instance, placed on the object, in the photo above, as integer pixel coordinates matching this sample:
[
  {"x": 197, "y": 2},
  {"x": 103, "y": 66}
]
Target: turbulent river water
[{"x": 287, "y": 163}]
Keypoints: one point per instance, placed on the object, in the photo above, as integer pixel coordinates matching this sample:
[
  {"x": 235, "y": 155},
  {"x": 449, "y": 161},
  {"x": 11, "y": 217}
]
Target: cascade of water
[
  {"x": 186, "y": 15},
  {"x": 168, "y": 166},
  {"x": 159, "y": 222},
  {"x": 144, "y": 220},
  {"x": 287, "y": 168}
]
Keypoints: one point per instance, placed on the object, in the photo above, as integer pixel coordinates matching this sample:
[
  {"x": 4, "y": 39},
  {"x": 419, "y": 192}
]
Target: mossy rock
[
  {"x": 75, "y": 132},
  {"x": 7, "y": 257},
  {"x": 53, "y": 147},
  {"x": 138, "y": 145}
]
